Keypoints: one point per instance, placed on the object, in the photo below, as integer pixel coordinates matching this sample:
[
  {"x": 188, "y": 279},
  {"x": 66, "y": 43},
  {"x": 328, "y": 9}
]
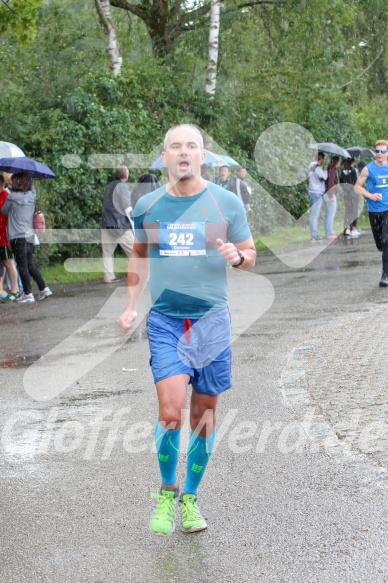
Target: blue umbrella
[
  {"x": 212, "y": 160},
  {"x": 35, "y": 169}
]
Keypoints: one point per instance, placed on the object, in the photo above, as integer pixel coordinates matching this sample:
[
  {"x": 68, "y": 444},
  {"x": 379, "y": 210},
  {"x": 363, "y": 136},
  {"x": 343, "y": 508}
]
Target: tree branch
[{"x": 133, "y": 8}]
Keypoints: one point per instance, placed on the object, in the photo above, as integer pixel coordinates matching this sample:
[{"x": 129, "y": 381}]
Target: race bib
[{"x": 182, "y": 239}]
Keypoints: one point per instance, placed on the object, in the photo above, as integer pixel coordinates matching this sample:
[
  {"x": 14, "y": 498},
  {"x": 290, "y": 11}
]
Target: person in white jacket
[{"x": 317, "y": 188}]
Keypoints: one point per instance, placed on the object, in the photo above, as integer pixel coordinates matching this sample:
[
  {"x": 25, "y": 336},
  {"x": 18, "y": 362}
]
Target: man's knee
[
  {"x": 171, "y": 417},
  {"x": 202, "y": 415}
]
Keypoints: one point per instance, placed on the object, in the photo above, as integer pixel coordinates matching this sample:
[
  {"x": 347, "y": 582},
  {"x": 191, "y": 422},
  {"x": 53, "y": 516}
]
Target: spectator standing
[
  {"x": 146, "y": 183},
  {"x": 20, "y": 206},
  {"x": 317, "y": 185},
  {"x": 243, "y": 191},
  {"x": 330, "y": 197},
  {"x": 225, "y": 180},
  {"x": 116, "y": 226},
  {"x": 348, "y": 178},
  {"x": 372, "y": 184},
  {"x": 6, "y": 255}
]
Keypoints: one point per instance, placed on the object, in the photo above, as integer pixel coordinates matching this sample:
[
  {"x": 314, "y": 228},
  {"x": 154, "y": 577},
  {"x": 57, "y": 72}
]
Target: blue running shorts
[{"x": 199, "y": 348}]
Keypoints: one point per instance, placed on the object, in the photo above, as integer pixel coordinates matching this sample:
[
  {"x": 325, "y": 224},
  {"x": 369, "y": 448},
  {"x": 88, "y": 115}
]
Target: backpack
[
  {"x": 348, "y": 176},
  {"x": 39, "y": 223}
]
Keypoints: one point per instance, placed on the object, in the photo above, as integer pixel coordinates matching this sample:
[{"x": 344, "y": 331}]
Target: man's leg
[
  {"x": 384, "y": 244},
  {"x": 172, "y": 402},
  {"x": 315, "y": 209},
  {"x": 330, "y": 210},
  {"x": 19, "y": 248},
  {"x": 126, "y": 242},
  {"x": 108, "y": 244},
  {"x": 13, "y": 275},
  {"x": 200, "y": 448}
]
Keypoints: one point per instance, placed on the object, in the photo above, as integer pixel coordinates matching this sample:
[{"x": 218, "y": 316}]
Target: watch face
[{"x": 242, "y": 258}]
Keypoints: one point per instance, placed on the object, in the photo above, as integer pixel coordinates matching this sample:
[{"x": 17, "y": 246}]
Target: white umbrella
[
  {"x": 331, "y": 148},
  {"x": 8, "y": 150}
]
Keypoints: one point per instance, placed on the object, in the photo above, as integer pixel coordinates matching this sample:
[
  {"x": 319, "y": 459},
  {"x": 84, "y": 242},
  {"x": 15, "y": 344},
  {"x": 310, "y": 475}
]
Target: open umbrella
[
  {"x": 360, "y": 151},
  {"x": 212, "y": 160},
  {"x": 331, "y": 148},
  {"x": 8, "y": 150},
  {"x": 35, "y": 169}
]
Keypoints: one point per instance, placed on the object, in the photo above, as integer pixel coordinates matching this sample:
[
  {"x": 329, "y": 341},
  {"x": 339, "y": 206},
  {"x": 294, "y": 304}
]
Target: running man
[
  {"x": 375, "y": 178},
  {"x": 186, "y": 232}
]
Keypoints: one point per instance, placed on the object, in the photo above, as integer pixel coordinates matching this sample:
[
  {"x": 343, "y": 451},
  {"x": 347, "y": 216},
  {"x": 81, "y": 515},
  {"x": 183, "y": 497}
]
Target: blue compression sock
[
  {"x": 198, "y": 454},
  {"x": 167, "y": 446}
]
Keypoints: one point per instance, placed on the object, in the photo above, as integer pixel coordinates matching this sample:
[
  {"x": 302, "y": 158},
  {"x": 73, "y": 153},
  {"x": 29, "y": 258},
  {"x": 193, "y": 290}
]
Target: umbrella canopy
[
  {"x": 360, "y": 151},
  {"x": 212, "y": 160},
  {"x": 331, "y": 148},
  {"x": 8, "y": 150},
  {"x": 35, "y": 169}
]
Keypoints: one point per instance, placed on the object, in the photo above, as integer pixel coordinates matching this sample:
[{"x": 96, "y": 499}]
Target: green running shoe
[
  {"x": 163, "y": 517},
  {"x": 192, "y": 519}
]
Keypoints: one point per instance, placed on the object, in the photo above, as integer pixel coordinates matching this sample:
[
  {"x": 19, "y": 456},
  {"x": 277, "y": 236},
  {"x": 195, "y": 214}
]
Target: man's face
[
  {"x": 224, "y": 173},
  {"x": 241, "y": 173},
  {"x": 183, "y": 155},
  {"x": 381, "y": 154}
]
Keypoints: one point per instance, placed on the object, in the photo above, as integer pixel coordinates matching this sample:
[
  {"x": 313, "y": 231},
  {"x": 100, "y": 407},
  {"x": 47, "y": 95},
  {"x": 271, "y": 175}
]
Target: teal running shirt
[{"x": 188, "y": 275}]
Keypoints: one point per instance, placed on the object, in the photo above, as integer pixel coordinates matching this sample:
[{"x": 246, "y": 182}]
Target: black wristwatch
[{"x": 242, "y": 258}]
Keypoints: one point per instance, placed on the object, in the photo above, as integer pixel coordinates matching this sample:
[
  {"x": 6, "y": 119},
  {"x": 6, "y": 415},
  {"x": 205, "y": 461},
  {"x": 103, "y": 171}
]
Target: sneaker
[
  {"x": 192, "y": 519},
  {"x": 383, "y": 281},
  {"x": 45, "y": 293},
  {"x": 316, "y": 239},
  {"x": 10, "y": 297},
  {"x": 24, "y": 298},
  {"x": 347, "y": 232},
  {"x": 331, "y": 237},
  {"x": 354, "y": 233},
  {"x": 163, "y": 517}
]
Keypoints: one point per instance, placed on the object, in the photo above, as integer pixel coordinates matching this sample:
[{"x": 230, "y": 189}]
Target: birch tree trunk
[
  {"x": 112, "y": 46},
  {"x": 214, "y": 33}
]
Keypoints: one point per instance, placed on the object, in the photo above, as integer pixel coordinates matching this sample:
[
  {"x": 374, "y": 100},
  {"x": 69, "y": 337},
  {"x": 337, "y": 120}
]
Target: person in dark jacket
[
  {"x": 146, "y": 183},
  {"x": 330, "y": 198},
  {"x": 348, "y": 178},
  {"x": 117, "y": 227}
]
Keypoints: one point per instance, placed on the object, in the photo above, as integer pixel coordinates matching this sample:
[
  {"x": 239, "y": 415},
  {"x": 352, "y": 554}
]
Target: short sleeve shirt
[{"x": 188, "y": 275}]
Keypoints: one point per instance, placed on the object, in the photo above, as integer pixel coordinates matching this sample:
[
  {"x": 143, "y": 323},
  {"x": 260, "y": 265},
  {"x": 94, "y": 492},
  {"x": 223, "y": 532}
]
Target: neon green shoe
[
  {"x": 163, "y": 517},
  {"x": 192, "y": 519}
]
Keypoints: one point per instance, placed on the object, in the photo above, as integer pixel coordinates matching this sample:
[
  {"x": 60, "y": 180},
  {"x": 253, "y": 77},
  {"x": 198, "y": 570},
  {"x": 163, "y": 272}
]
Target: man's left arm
[{"x": 230, "y": 252}]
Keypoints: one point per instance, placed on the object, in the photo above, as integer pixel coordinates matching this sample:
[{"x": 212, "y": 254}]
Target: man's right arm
[
  {"x": 321, "y": 173},
  {"x": 359, "y": 186},
  {"x": 138, "y": 270}
]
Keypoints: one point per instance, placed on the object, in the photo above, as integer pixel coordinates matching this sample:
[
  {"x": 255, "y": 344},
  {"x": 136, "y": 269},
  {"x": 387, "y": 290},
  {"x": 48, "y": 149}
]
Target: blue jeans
[
  {"x": 330, "y": 210},
  {"x": 315, "y": 209}
]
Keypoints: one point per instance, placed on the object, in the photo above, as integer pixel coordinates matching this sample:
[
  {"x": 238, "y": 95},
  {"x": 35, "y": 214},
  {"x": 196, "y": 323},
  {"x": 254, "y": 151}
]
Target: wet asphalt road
[{"x": 282, "y": 504}]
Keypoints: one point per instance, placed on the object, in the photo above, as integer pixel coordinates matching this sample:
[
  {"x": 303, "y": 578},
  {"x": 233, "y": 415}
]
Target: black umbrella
[
  {"x": 360, "y": 151},
  {"x": 35, "y": 169}
]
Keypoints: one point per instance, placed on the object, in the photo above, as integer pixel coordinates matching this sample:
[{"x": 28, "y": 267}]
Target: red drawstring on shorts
[{"x": 186, "y": 329}]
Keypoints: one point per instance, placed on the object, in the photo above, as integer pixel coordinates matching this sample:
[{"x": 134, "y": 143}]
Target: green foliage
[
  {"x": 298, "y": 61},
  {"x": 19, "y": 16}
]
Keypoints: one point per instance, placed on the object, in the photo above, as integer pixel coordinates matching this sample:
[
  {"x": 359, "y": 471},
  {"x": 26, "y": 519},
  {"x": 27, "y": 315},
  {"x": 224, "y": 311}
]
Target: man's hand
[
  {"x": 375, "y": 196},
  {"x": 126, "y": 320},
  {"x": 228, "y": 252}
]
